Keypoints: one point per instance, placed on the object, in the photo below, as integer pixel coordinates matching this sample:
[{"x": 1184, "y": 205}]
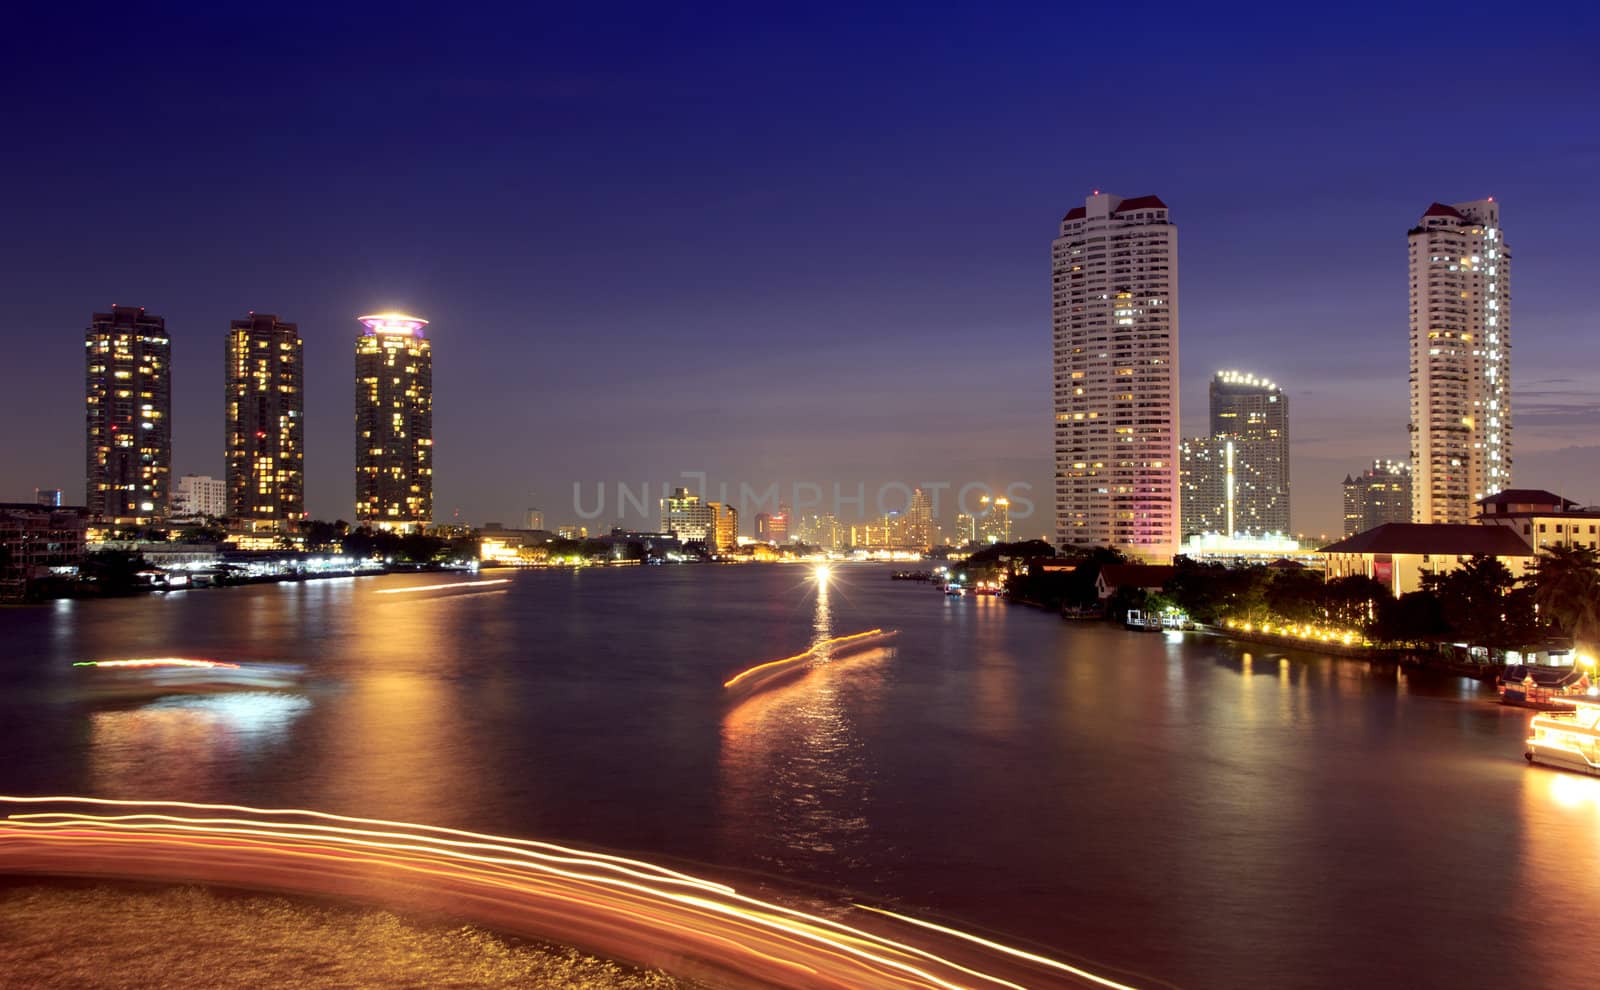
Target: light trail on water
[
  {"x": 442, "y": 587},
  {"x": 617, "y": 906},
  {"x": 816, "y": 648}
]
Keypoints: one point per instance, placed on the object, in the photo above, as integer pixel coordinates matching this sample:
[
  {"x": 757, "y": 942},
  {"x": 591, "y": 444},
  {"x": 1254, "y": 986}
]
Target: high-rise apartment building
[
  {"x": 1235, "y": 482},
  {"x": 966, "y": 529},
  {"x": 128, "y": 398},
  {"x": 772, "y": 527},
  {"x": 685, "y": 516},
  {"x": 824, "y": 531},
  {"x": 1380, "y": 494},
  {"x": 1460, "y": 360},
  {"x": 727, "y": 525},
  {"x": 394, "y": 423},
  {"x": 920, "y": 528},
  {"x": 994, "y": 526},
  {"x": 1114, "y": 307},
  {"x": 199, "y": 495},
  {"x": 265, "y": 431}
]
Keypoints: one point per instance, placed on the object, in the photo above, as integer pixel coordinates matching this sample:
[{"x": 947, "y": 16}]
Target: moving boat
[{"x": 1568, "y": 738}]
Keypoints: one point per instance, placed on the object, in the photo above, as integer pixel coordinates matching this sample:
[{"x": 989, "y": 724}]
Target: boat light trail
[
  {"x": 808, "y": 654},
  {"x": 158, "y": 662},
  {"x": 442, "y": 587},
  {"x": 619, "y": 907}
]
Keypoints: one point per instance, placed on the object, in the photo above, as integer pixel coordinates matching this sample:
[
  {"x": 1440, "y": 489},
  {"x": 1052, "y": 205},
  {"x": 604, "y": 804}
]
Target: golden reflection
[
  {"x": 791, "y": 754},
  {"x": 1560, "y": 819},
  {"x": 402, "y": 746}
]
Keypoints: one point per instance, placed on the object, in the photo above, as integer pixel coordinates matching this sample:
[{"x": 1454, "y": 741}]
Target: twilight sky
[{"x": 779, "y": 245}]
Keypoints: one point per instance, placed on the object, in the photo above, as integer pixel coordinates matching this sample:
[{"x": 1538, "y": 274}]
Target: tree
[
  {"x": 1414, "y": 618},
  {"x": 1477, "y": 601},
  {"x": 1566, "y": 589},
  {"x": 1355, "y": 601}
]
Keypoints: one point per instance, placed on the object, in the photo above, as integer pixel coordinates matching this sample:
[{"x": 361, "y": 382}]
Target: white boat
[{"x": 1568, "y": 738}]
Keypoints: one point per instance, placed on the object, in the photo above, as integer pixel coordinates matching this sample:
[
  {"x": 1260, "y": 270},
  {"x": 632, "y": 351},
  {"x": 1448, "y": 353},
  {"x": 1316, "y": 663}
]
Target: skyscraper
[
  {"x": 128, "y": 399},
  {"x": 1114, "y": 274},
  {"x": 1380, "y": 494},
  {"x": 265, "y": 448},
  {"x": 995, "y": 524},
  {"x": 1236, "y": 481},
  {"x": 1460, "y": 360},
  {"x": 727, "y": 526},
  {"x": 919, "y": 521},
  {"x": 394, "y": 423},
  {"x": 966, "y": 529}
]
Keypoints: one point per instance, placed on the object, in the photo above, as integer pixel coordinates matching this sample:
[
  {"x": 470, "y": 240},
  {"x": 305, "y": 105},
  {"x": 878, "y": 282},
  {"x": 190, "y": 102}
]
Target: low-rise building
[
  {"x": 1400, "y": 555},
  {"x": 1543, "y": 519},
  {"x": 38, "y": 542},
  {"x": 1147, "y": 577}
]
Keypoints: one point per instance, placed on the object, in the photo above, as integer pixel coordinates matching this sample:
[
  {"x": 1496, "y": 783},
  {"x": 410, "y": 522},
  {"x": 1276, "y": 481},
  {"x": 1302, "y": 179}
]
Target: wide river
[{"x": 1203, "y": 812}]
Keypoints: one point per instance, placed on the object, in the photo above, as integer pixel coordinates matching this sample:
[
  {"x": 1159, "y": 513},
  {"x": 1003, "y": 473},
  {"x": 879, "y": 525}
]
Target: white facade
[
  {"x": 1114, "y": 274},
  {"x": 200, "y": 495},
  {"x": 1460, "y": 360},
  {"x": 685, "y": 516}
]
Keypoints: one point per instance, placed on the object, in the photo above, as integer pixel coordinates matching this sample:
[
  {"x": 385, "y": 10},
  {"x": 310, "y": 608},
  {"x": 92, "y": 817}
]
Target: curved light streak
[
  {"x": 442, "y": 587},
  {"x": 620, "y": 907},
  {"x": 808, "y": 654}
]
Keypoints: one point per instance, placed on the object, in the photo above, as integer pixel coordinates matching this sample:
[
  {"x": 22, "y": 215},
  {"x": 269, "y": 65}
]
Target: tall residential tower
[
  {"x": 128, "y": 406},
  {"x": 1460, "y": 360},
  {"x": 1236, "y": 480},
  {"x": 394, "y": 423},
  {"x": 265, "y": 446},
  {"x": 1114, "y": 275}
]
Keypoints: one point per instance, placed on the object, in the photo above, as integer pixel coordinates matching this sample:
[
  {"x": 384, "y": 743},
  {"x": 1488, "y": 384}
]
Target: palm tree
[{"x": 1566, "y": 588}]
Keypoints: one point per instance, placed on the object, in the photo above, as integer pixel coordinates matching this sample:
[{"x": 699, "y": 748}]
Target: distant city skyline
[{"x": 869, "y": 311}]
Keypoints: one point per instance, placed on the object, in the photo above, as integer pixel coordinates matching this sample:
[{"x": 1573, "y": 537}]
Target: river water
[{"x": 1202, "y": 812}]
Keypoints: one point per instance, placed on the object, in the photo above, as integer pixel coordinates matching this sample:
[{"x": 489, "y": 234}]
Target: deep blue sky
[{"x": 780, "y": 245}]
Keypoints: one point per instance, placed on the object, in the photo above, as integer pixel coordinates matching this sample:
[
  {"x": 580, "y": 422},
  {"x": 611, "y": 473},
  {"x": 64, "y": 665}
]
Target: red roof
[
  {"x": 1076, "y": 213},
  {"x": 1141, "y": 203},
  {"x": 1450, "y": 539},
  {"x": 1137, "y": 575},
  {"x": 1441, "y": 210}
]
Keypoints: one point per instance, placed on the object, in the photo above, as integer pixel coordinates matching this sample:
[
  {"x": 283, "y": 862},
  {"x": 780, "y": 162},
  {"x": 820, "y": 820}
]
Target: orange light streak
[
  {"x": 621, "y": 907},
  {"x": 158, "y": 662},
  {"x": 442, "y": 587},
  {"x": 808, "y": 654}
]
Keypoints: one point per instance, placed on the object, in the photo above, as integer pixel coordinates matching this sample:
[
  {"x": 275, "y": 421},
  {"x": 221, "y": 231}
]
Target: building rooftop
[
  {"x": 1524, "y": 500},
  {"x": 1441, "y": 210},
  {"x": 1467, "y": 539},
  {"x": 1139, "y": 575},
  {"x": 1140, "y": 203}
]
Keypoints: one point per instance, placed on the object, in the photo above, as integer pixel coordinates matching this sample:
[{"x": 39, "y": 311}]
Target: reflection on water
[
  {"x": 1211, "y": 812},
  {"x": 186, "y": 744},
  {"x": 792, "y": 759}
]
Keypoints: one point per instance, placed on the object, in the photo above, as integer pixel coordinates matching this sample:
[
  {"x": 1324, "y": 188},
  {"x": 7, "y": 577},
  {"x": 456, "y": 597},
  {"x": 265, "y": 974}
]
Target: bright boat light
[{"x": 822, "y": 573}]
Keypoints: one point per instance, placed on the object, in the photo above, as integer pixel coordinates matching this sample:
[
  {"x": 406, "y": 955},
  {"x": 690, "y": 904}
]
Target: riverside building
[
  {"x": 265, "y": 433},
  {"x": 1460, "y": 360},
  {"x": 128, "y": 415},
  {"x": 1114, "y": 314},
  {"x": 394, "y": 423}
]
